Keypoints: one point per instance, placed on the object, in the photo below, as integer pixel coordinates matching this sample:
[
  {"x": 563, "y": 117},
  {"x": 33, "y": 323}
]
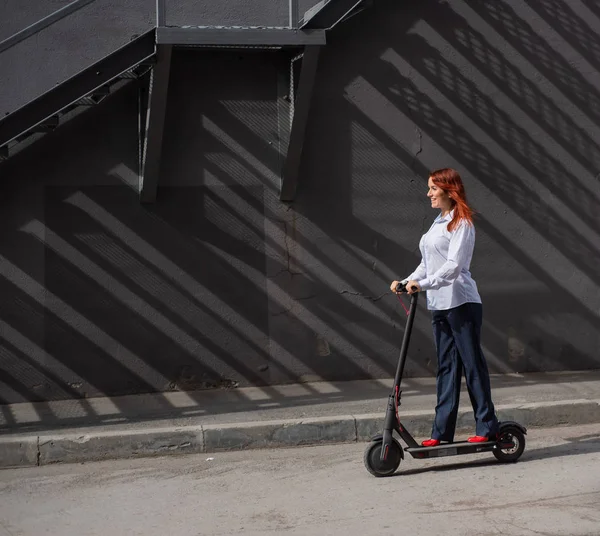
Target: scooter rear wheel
[
  {"x": 373, "y": 461},
  {"x": 510, "y": 434}
]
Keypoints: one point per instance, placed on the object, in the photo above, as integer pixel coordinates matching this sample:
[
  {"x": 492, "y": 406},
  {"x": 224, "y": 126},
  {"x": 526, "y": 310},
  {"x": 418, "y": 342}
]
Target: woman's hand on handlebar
[
  {"x": 412, "y": 287},
  {"x": 394, "y": 285}
]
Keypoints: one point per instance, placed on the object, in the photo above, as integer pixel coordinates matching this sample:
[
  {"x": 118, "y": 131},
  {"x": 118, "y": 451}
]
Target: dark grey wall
[{"x": 219, "y": 282}]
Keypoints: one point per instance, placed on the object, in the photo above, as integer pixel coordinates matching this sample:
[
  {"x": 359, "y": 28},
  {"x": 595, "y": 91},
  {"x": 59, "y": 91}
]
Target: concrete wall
[{"x": 219, "y": 283}]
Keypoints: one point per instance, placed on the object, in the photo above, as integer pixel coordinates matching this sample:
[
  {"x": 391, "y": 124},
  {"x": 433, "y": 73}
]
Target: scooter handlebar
[{"x": 401, "y": 287}]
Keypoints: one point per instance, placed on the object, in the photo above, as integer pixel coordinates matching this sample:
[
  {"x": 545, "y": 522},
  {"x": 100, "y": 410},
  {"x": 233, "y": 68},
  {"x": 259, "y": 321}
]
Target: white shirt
[{"x": 444, "y": 269}]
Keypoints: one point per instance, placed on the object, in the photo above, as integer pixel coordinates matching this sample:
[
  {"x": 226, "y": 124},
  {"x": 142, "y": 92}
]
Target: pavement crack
[
  {"x": 287, "y": 250},
  {"x": 420, "y": 139},
  {"x": 285, "y": 270},
  {"x": 288, "y": 255},
  {"x": 360, "y": 294},
  {"x": 540, "y": 502},
  {"x": 513, "y": 524},
  {"x": 284, "y": 312},
  {"x": 419, "y": 142},
  {"x": 5, "y": 529}
]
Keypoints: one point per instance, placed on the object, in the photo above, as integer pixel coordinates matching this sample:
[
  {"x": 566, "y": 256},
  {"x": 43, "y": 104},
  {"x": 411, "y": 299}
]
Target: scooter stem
[
  {"x": 406, "y": 339},
  {"x": 391, "y": 421}
]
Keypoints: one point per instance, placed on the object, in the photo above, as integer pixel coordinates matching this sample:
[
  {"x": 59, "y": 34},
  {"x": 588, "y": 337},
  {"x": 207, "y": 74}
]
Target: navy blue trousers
[{"x": 457, "y": 334}]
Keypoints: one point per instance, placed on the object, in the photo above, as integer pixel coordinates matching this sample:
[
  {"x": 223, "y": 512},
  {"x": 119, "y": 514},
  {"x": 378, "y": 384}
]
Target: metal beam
[
  {"x": 284, "y": 109},
  {"x": 155, "y": 122},
  {"x": 43, "y": 23},
  {"x": 239, "y": 36},
  {"x": 72, "y": 90},
  {"x": 161, "y": 13},
  {"x": 143, "y": 89},
  {"x": 327, "y": 13},
  {"x": 291, "y": 167},
  {"x": 293, "y": 13}
]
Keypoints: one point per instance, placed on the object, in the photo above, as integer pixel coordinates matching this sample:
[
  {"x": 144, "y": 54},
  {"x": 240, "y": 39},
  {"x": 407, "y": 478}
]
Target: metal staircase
[
  {"x": 87, "y": 88},
  {"x": 329, "y": 13},
  {"x": 150, "y": 54}
]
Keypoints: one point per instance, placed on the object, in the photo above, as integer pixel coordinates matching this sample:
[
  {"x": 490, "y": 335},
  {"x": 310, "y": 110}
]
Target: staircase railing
[{"x": 43, "y": 23}]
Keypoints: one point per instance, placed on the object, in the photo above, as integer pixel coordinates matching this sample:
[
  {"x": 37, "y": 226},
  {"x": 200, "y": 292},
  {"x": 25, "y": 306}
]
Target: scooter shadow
[
  {"x": 446, "y": 467},
  {"x": 575, "y": 446}
]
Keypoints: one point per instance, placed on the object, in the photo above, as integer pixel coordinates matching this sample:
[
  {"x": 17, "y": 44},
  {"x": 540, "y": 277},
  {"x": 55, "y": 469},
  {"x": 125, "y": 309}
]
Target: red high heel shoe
[
  {"x": 478, "y": 439},
  {"x": 431, "y": 443}
]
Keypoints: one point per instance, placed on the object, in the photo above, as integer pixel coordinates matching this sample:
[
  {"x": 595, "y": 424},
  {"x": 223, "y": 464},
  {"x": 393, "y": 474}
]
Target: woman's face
[{"x": 439, "y": 198}]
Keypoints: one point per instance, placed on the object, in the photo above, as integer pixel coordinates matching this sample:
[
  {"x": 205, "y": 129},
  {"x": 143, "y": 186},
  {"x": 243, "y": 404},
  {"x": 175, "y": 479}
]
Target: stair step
[
  {"x": 128, "y": 75},
  {"x": 102, "y": 91},
  {"x": 48, "y": 125}
]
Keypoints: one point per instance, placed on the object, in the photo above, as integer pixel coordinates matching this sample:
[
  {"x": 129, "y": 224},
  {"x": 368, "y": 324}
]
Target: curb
[
  {"x": 99, "y": 446},
  {"x": 50, "y": 448}
]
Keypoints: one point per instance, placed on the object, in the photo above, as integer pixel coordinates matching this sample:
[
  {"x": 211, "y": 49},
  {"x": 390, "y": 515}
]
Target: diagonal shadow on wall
[{"x": 219, "y": 283}]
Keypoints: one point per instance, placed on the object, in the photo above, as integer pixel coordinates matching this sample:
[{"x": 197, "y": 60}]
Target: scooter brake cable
[{"x": 402, "y": 303}]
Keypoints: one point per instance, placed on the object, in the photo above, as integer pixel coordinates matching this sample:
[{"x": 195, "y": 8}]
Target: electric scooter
[{"x": 384, "y": 454}]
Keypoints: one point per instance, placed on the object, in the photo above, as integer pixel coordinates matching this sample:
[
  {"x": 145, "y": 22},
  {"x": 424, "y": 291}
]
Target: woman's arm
[
  {"x": 460, "y": 251},
  {"x": 418, "y": 274}
]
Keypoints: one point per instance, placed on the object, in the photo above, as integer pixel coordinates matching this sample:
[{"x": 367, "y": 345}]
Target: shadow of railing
[
  {"x": 506, "y": 133},
  {"x": 570, "y": 26},
  {"x": 522, "y": 91},
  {"x": 519, "y": 33},
  {"x": 494, "y": 174}
]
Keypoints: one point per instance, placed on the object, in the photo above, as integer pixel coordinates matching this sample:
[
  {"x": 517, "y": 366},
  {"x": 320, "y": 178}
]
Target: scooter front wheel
[
  {"x": 512, "y": 435},
  {"x": 378, "y": 467}
]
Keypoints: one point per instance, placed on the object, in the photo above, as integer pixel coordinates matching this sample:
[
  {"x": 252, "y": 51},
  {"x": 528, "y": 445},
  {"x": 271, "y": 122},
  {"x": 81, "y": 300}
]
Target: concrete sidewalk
[{"x": 267, "y": 417}]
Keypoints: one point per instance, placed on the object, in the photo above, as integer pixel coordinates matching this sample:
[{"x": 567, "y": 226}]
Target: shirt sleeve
[
  {"x": 418, "y": 274},
  {"x": 460, "y": 251}
]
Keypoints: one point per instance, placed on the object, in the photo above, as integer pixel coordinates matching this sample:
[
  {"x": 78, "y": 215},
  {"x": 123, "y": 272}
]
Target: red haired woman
[{"x": 456, "y": 309}]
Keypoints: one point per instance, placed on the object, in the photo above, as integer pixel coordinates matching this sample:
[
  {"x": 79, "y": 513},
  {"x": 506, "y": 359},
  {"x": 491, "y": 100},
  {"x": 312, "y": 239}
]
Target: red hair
[{"x": 449, "y": 180}]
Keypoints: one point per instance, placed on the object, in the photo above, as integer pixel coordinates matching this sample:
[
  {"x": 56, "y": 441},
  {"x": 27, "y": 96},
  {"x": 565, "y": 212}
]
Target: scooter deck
[{"x": 451, "y": 449}]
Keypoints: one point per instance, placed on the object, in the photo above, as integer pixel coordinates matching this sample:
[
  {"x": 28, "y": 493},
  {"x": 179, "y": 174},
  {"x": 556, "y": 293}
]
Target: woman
[{"x": 456, "y": 308}]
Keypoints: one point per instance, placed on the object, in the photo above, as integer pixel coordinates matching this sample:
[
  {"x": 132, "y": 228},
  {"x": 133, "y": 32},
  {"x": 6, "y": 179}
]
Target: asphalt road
[{"x": 553, "y": 490}]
